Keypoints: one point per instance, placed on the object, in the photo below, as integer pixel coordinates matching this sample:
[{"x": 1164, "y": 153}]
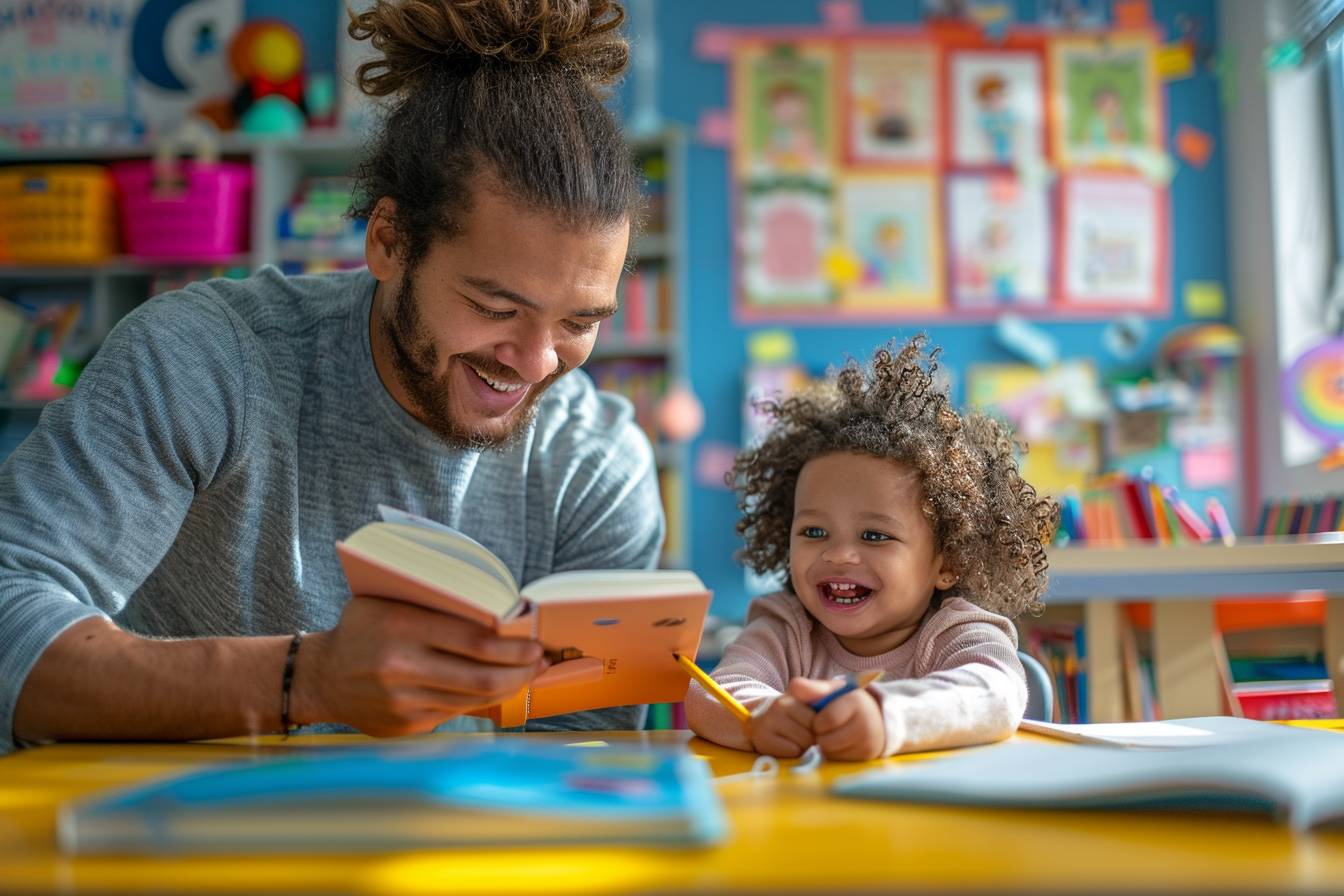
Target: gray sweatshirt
[{"x": 196, "y": 480}]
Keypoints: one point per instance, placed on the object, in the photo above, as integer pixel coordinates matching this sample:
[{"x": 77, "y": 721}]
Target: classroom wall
[
  {"x": 717, "y": 353},
  {"x": 717, "y": 344}
]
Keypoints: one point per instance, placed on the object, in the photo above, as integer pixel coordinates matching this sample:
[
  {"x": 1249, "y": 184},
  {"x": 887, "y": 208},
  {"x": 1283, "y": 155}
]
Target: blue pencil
[{"x": 851, "y": 684}]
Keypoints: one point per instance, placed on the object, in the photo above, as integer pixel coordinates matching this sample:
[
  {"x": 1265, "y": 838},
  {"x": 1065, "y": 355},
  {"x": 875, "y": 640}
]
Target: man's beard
[{"x": 414, "y": 362}]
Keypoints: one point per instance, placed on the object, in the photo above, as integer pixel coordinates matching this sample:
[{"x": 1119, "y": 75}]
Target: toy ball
[
  {"x": 272, "y": 116},
  {"x": 266, "y": 48},
  {"x": 680, "y": 414}
]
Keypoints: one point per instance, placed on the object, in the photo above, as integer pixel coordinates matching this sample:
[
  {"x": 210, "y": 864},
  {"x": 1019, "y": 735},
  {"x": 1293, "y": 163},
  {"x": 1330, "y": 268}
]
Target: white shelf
[{"x": 623, "y": 347}]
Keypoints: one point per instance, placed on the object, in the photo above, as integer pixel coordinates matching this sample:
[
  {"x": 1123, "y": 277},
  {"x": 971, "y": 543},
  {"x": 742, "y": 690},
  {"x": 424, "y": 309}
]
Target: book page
[
  {"x": 443, "y": 571},
  {"x": 446, "y": 539},
  {"x": 613, "y": 583},
  {"x": 1289, "y": 771},
  {"x": 1205, "y": 731}
]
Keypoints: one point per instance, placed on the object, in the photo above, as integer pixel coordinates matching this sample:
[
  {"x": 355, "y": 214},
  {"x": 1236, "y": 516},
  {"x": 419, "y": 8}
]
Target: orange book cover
[{"x": 620, "y": 627}]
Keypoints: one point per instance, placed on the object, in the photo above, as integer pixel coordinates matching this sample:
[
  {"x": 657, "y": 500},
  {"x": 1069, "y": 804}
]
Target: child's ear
[{"x": 947, "y": 577}]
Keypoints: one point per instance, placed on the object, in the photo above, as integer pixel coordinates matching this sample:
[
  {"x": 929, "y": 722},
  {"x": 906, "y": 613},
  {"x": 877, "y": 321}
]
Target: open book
[
  {"x": 1293, "y": 773},
  {"x": 406, "y": 796},
  {"x": 613, "y": 632}
]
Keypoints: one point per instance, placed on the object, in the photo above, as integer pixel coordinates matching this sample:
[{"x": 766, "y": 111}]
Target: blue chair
[{"x": 1040, "y": 692}]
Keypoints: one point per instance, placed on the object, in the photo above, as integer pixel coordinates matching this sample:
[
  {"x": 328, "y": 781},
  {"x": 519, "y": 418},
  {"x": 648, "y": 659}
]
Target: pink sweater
[{"x": 957, "y": 681}]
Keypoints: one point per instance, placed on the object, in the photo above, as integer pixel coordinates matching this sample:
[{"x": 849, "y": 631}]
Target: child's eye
[
  {"x": 870, "y": 535},
  {"x": 812, "y": 532}
]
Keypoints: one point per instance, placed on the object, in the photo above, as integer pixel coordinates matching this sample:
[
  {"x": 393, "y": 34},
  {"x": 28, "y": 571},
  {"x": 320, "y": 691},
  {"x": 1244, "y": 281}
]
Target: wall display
[
  {"x": 925, "y": 172},
  {"x": 1106, "y": 100},
  {"x": 892, "y": 109},
  {"x": 998, "y": 113},
  {"x": 998, "y": 238},
  {"x": 891, "y": 224},
  {"x": 1113, "y": 241}
]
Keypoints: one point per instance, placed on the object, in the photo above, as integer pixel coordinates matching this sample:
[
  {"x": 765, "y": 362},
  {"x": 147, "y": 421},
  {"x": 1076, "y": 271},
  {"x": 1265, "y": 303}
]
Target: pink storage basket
[{"x": 184, "y": 210}]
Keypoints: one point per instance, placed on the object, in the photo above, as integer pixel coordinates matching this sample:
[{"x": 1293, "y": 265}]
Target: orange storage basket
[{"x": 57, "y": 214}]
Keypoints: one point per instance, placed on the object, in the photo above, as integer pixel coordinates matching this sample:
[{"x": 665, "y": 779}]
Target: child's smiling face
[{"x": 862, "y": 556}]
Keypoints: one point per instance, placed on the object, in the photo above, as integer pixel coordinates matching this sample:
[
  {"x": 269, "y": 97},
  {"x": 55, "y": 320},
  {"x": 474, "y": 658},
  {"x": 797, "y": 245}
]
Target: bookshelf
[
  {"x": 1182, "y": 582},
  {"x": 640, "y": 359}
]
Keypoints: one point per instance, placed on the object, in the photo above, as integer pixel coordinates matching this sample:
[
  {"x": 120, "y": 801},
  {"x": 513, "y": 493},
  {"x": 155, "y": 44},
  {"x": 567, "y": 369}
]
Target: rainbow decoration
[{"x": 1313, "y": 391}]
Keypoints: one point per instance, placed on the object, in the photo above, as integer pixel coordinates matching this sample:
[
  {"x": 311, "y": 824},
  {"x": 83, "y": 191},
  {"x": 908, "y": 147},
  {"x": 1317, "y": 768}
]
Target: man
[{"x": 168, "y": 530}]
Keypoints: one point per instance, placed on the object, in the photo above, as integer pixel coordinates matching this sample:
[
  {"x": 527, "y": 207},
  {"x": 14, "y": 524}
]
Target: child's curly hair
[{"x": 988, "y": 522}]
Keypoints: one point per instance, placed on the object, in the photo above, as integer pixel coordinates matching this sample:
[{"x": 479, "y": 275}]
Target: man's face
[{"x": 469, "y": 339}]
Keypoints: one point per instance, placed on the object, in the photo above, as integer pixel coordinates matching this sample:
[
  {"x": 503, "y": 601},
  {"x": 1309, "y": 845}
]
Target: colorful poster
[
  {"x": 785, "y": 118},
  {"x": 1053, "y": 411},
  {"x": 1313, "y": 391},
  {"x": 1106, "y": 101},
  {"x": 999, "y": 242},
  {"x": 892, "y": 105},
  {"x": 784, "y": 235},
  {"x": 1114, "y": 231},
  {"x": 891, "y": 225},
  {"x": 64, "y": 63},
  {"x": 998, "y": 115}
]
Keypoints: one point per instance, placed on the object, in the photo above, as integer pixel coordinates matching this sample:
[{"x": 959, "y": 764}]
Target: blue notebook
[{"x": 409, "y": 796}]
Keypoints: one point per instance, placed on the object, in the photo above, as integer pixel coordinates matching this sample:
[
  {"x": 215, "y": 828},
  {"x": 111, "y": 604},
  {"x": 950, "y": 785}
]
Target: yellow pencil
[{"x": 718, "y": 693}]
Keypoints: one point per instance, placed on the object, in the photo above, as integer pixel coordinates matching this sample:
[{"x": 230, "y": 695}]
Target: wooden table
[
  {"x": 787, "y": 835},
  {"x": 1182, "y": 581}
]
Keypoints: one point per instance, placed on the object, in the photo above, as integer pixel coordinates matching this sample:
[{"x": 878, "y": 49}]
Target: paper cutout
[
  {"x": 1193, "y": 145},
  {"x": 1287, "y": 54},
  {"x": 715, "y": 128},
  {"x": 713, "y": 461},
  {"x": 843, "y": 266},
  {"x": 1132, "y": 13},
  {"x": 714, "y": 43},
  {"x": 1028, "y": 342},
  {"x": 1205, "y": 298},
  {"x": 841, "y": 15},
  {"x": 1209, "y": 467},
  {"x": 1124, "y": 336},
  {"x": 1174, "y": 62},
  {"x": 1157, "y": 168},
  {"x": 771, "y": 347}
]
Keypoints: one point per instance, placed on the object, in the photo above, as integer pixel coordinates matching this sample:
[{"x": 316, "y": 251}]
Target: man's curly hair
[{"x": 988, "y": 522}]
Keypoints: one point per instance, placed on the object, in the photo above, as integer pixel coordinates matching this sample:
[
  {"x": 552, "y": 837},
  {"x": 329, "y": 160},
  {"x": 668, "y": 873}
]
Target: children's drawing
[
  {"x": 785, "y": 234},
  {"x": 999, "y": 236},
  {"x": 784, "y": 110},
  {"x": 891, "y": 224},
  {"x": 1107, "y": 100},
  {"x": 1113, "y": 228},
  {"x": 892, "y": 108},
  {"x": 997, "y": 107}
]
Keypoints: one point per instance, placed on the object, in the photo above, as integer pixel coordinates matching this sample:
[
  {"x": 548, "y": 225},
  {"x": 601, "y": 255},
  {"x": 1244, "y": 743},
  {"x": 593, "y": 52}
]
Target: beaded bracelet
[{"x": 285, "y": 724}]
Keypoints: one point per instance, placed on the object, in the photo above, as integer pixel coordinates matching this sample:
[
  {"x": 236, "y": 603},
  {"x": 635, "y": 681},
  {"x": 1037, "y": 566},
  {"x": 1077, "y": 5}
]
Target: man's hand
[
  {"x": 784, "y": 727},
  {"x": 391, "y": 668}
]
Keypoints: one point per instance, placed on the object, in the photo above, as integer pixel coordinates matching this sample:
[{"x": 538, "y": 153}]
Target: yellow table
[{"x": 787, "y": 835}]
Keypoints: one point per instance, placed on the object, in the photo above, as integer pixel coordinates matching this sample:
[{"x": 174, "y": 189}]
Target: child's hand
[
  {"x": 851, "y": 727},
  {"x": 783, "y": 729}
]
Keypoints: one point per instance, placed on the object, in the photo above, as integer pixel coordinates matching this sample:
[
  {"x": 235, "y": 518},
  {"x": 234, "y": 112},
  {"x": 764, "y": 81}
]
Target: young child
[{"x": 908, "y": 538}]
